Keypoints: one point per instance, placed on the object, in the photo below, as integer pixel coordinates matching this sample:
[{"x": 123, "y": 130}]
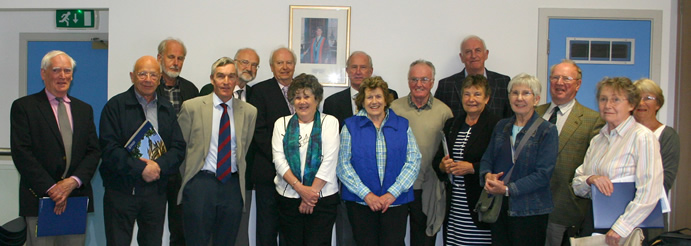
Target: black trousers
[
  {"x": 377, "y": 228},
  {"x": 267, "y": 215},
  {"x": 307, "y": 229},
  {"x": 177, "y": 235},
  {"x": 211, "y": 209},
  {"x": 120, "y": 210},
  {"x": 524, "y": 230},
  {"x": 418, "y": 223}
]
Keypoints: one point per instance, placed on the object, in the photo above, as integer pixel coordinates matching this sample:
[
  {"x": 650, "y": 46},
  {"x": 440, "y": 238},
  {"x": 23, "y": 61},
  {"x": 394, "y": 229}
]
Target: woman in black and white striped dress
[{"x": 467, "y": 137}]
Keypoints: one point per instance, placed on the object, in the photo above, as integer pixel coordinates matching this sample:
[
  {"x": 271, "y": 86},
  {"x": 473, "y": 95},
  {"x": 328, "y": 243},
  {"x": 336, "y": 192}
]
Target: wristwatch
[{"x": 507, "y": 191}]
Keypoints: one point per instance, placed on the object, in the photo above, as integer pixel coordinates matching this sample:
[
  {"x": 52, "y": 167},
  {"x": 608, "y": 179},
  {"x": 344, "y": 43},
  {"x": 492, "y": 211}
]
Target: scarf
[{"x": 291, "y": 148}]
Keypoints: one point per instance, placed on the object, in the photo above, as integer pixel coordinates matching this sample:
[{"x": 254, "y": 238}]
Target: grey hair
[
  {"x": 469, "y": 37},
  {"x": 369, "y": 58},
  {"x": 221, "y": 62},
  {"x": 164, "y": 44},
  {"x": 45, "y": 62},
  {"x": 245, "y": 49},
  {"x": 567, "y": 61},
  {"x": 425, "y": 62},
  {"x": 526, "y": 79},
  {"x": 271, "y": 59}
]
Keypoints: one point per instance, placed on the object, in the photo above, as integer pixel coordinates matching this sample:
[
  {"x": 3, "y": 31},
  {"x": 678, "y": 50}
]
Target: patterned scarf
[{"x": 291, "y": 148}]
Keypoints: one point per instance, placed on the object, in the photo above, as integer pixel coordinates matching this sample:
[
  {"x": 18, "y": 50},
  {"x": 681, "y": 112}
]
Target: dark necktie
[
  {"x": 239, "y": 92},
  {"x": 553, "y": 117},
  {"x": 65, "y": 132},
  {"x": 223, "y": 166}
]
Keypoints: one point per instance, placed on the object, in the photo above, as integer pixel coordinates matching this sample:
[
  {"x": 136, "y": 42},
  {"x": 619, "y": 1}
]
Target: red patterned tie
[{"x": 223, "y": 166}]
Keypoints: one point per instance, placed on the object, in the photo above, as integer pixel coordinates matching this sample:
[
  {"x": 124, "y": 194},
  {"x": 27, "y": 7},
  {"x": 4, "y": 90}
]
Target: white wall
[{"x": 394, "y": 33}]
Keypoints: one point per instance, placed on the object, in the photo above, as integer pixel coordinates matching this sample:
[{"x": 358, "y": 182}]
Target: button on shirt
[
  {"x": 562, "y": 115},
  {"x": 210, "y": 162},
  {"x": 150, "y": 108}
]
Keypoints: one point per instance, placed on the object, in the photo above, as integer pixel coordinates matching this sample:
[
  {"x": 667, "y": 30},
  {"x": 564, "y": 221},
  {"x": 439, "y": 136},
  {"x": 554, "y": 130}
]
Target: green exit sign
[{"x": 75, "y": 18}]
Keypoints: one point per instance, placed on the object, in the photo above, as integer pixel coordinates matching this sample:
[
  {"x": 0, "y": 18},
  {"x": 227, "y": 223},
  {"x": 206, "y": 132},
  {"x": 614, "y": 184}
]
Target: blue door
[
  {"x": 90, "y": 84},
  {"x": 563, "y": 32}
]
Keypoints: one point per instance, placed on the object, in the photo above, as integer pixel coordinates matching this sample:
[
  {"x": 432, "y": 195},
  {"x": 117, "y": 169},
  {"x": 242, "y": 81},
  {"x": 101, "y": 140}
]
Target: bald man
[{"x": 136, "y": 187}]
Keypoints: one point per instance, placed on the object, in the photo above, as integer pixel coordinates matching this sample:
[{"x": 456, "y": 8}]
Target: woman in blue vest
[
  {"x": 378, "y": 171},
  {"x": 525, "y": 209}
]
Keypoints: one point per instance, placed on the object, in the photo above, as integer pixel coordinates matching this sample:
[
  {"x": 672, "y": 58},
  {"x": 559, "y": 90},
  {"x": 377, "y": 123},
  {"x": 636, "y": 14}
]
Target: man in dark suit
[
  {"x": 576, "y": 125},
  {"x": 270, "y": 98},
  {"x": 341, "y": 104},
  {"x": 54, "y": 146},
  {"x": 473, "y": 54},
  {"x": 136, "y": 187},
  {"x": 171, "y": 56}
]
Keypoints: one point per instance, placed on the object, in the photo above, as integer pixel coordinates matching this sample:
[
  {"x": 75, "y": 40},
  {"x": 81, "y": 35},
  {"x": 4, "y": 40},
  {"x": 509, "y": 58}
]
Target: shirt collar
[
  {"x": 427, "y": 105},
  {"x": 217, "y": 101},
  {"x": 563, "y": 108},
  {"x": 177, "y": 83},
  {"x": 621, "y": 129},
  {"x": 142, "y": 100},
  {"x": 466, "y": 72},
  {"x": 52, "y": 97}
]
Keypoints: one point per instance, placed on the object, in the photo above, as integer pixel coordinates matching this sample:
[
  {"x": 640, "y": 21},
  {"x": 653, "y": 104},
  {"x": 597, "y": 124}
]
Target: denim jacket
[{"x": 529, "y": 192}]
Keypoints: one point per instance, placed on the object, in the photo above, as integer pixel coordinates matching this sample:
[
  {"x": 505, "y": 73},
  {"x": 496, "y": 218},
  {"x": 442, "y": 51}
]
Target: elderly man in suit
[
  {"x": 171, "y": 56},
  {"x": 218, "y": 129},
  {"x": 54, "y": 146},
  {"x": 342, "y": 104},
  {"x": 576, "y": 125},
  {"x": 271, "y": 99},
  {"x": 136, "y": 187},
  {"x": 473, "y": 54}
]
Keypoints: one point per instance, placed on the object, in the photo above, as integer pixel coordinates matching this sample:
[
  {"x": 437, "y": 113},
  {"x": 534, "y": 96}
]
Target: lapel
[
  {"x": 571, "y": 125},
  {"x": 47, "y": 113},
  {"x": 207, "y": 115},
  {"x": 458, "y": 86},
  {"x": 239, "y": 121},
  {"x": 278, "y": 93}
]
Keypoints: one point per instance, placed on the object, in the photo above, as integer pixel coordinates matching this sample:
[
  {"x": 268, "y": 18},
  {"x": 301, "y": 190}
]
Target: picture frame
[{"x": 320, "y": 38}]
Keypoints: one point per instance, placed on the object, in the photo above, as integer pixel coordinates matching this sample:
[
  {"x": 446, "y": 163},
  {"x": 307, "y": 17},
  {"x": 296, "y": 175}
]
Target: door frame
[
  {"x": 545, "y": 14},
  {"x": 25, "y": 38}
]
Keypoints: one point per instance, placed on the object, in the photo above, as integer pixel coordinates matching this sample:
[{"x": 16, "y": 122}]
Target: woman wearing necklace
[
  {"x": 467, "y": 137},
  {"x": 378, "y": 163},
  {"x": 305, "y": 153},
  {"x": 524, "y": 211}
]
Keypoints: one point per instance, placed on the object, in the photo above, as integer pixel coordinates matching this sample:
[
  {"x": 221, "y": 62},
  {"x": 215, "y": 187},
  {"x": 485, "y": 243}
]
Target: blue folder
[
  {"x": 607, "y": 209},
  {"x": 72, "y": 221}
]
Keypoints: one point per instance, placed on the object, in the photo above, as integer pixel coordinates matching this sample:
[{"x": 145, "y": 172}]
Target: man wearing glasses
[
  {"x": 473, "y": 54},
  {"x": 176, "y": 89},
  {"x": 576, "y": 125},
  {"x": 136, "y": 187},
  {"x": 426, "y": 116}
]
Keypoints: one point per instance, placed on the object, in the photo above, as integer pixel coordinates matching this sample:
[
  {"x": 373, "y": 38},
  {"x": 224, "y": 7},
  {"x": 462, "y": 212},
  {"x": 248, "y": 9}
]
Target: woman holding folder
[{"x": 623, "y": 148}]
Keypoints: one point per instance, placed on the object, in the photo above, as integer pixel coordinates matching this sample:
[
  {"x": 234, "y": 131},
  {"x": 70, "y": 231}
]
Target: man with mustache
[
  {"x": 473, "y": 54},
  {"x": 171, "y": 56}
]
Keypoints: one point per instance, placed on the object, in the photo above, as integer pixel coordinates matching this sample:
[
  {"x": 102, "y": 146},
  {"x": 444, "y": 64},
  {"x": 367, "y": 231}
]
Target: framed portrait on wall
[{"x": 320, "y": 38}]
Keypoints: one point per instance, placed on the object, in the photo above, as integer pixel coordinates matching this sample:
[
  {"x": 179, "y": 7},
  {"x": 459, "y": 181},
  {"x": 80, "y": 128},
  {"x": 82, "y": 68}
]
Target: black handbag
[
  {"x": 673, "y": 238},
  {"x": 489, "y": 206}
]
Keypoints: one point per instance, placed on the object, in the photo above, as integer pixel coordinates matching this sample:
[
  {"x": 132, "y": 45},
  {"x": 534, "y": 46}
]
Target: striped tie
[{"x": 223, "y": 166}]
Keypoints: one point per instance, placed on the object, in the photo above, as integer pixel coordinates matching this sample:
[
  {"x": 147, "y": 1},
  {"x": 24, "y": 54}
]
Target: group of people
[{"x": 367, "y": 162}]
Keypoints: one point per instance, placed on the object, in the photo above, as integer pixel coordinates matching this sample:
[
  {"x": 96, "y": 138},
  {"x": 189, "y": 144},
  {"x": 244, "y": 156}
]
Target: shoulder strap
[{"x": 538, "y": 121}]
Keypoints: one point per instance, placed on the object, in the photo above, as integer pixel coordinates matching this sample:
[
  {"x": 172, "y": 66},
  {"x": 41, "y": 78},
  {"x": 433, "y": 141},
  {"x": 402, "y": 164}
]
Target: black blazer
[
  {"x": 39, "y": 153},
  {"x": 474, "y": 149},
  {"x": 449, "y": 92},
  {"x": 268, "y": 98},
  {"x": 340, "y": 107}
]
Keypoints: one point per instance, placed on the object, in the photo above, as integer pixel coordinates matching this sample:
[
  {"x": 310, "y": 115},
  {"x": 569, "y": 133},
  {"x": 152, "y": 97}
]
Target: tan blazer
[
  {"x": 195, "y": 119},
  {"x": 581, "y": 126}
]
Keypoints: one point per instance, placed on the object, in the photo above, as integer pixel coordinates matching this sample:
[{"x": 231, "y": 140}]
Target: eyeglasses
[
  {"x": 566, "y": 79},
  {"x": 247, "y": 63},
  {"x": 648, "y": 98},
  {"x": 63, "y": 70},
  {"x": 614, "y": 100},
  {"x": 424, "y": 80},
  {"x": 153, "y": 75}
]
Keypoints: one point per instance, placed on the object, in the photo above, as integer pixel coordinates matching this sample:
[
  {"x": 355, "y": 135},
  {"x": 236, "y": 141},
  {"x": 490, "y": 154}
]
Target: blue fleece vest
[{"x": 363, "y": 155}]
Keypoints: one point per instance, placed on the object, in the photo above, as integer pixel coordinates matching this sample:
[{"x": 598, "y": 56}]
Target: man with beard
[{"x": 171, "y": 56}]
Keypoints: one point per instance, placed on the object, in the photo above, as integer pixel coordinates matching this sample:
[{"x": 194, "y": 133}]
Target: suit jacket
[
  {"x": 39, "y": 153},
  {"x": 581, "y": 126},
  {"x": 450, "y": 88},
  {"x": 268, "y": 98},
  {"x": 196, "y": 122},
  {"x": 473, "y": 151},
  {"x": 340, "y": 107},
  {"x": 187, "y": 89}
]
